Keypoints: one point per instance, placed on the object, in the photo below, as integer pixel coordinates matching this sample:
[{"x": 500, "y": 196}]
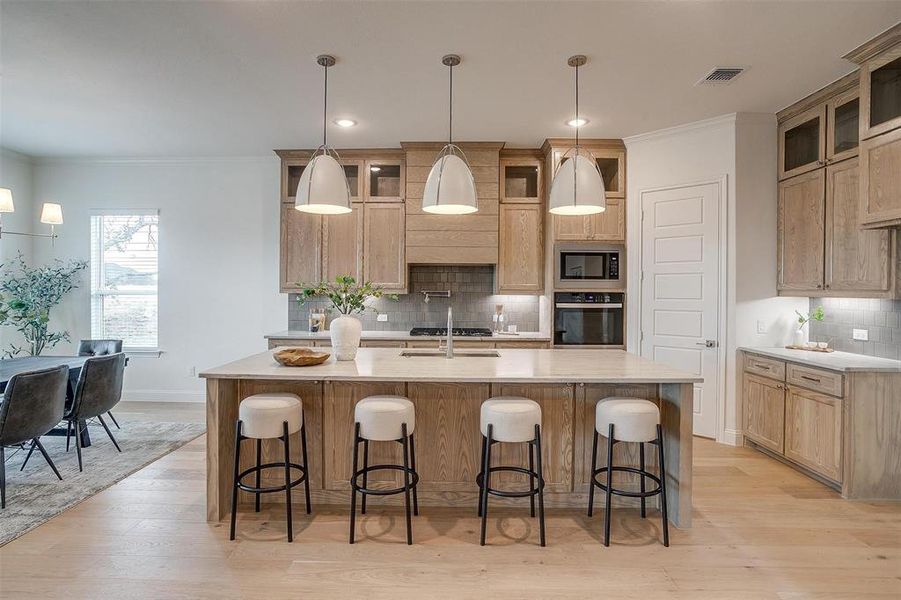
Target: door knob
[{"x": 707, "y": 343}]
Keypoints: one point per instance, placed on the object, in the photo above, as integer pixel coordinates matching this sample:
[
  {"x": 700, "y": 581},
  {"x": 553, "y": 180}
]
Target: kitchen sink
[{"x": 457, "y": 353}]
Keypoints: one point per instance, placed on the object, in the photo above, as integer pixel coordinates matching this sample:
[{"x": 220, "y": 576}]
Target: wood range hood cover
[{"x": 452, "y": 239}]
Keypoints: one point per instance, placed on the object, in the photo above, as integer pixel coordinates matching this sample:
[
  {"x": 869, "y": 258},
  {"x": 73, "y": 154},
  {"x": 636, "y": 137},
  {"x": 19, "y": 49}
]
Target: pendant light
[
  {"x": 578, "y": 188},
  {"x": 450, "y": 188},
  {"x": 323, "y": 187}
]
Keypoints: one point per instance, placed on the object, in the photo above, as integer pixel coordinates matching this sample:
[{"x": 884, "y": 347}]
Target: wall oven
[
  {"x": 589, "y": 319},
  {"x": 590, "y": 266}
]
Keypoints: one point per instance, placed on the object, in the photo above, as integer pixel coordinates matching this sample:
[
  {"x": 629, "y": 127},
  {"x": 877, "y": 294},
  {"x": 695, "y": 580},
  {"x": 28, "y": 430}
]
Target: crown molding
[
  {"x": 153, "y": 160},
  {"x": 13, "y": 155},
  {"x": 693, "y": 126}
]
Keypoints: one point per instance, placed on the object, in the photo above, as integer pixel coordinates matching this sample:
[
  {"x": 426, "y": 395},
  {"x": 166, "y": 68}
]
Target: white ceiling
[{"x": 126, "y": 78}]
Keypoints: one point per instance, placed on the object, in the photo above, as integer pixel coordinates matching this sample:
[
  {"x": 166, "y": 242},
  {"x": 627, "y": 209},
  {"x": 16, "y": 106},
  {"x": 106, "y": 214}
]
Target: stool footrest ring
[
  {"x": 267, "y": 490},
  {"x": 414, "y": 480},
  {"x": 512, "y": 494},
  {"x": 617, "y": 492}
]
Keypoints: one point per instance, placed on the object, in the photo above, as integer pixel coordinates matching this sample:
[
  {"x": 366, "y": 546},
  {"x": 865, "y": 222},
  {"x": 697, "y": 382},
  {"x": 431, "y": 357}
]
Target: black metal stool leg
[
  {"x": 486, "y": 483},
  {"x": 540, "y": 484},
  {"x": 113, "y": 419},
  {"x": 288, "y": 481},
  {"x": 231, "y": 534},
  {"x": 594, "y": 466},
  {"x": 365, "y": 475},
  {"x": 28, "y": 456},
  {"x": 413, "y": 466},
  {"x": 482, "y": 474},
  {"x": 662, "y": 486},
  {"x": 405, "y": 443},
  {"x": 609, "y": 496},
  {"x": 256, "y": 500},
  {"x": 531, "y": 449},
  {"x": 76, "y": 425},
  {"x": 353, "y": 490},
  {"x": 306, "y": 465},
  {"x": 40, "y": 447},
  {"x": 641, "y": 475},
  {"x": 109, "y": 433},
  {"x": 68, "y": 433},
  {"x": 2, "y": 477}
]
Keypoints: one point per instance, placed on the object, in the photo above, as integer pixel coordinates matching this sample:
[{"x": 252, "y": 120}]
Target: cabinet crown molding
[{"x": 878, "y": 44}]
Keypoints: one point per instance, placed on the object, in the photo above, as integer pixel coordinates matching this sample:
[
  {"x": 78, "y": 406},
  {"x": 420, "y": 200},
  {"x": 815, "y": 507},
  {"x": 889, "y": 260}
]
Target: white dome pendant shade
[
  {"x": 450, "y": 188},
  {"x": 323, "y": 188},
  {"x": 578, "y": 188}
]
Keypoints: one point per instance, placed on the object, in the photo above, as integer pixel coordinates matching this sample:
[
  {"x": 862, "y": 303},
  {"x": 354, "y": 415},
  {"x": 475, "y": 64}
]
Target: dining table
[{"x": 10, "y": 367}]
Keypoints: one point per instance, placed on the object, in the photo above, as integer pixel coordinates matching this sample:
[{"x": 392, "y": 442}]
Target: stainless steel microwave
[{"x": 590, "y": 266}]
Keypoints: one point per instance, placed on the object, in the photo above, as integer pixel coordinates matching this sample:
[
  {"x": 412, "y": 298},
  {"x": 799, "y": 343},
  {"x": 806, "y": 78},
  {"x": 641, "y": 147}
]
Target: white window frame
[{"x": 98, "y": 293}]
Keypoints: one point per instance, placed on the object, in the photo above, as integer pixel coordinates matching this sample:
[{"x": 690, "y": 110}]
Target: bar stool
[
  {"x": 515, "y": 420},
  {"x": 262, "y": 417},
  {"x": 628, "y": 420},
  {"x": 384, "y": 419}
]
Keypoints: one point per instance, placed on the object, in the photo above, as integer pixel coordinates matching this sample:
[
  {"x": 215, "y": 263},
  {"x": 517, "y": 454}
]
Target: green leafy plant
[
  {"x": 818, "y": 314},
  {"x": 26, "y": 296},
  {"x": 345, "y": 294}
]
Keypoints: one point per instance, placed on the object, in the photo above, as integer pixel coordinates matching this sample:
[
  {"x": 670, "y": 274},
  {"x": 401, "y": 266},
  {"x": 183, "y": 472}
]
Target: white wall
[
  {"x": 218, "y": 258},
  {"x": 740, "y": 148},
  {"x": 16, "y": 174}
]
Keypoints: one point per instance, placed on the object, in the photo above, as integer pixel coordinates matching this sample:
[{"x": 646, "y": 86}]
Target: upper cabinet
[
  {"x": 843, "y": 126},
  {"x": 385, "y": 181},
  {"x": 610, "y": 225},
  {"x": 879, "y": 126},
  {"x": 802, "y": 142},
  {"x": 520, "y": 262}
]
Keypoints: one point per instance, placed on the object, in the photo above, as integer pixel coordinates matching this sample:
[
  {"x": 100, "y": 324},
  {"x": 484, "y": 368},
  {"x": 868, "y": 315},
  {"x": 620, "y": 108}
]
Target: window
[{"x": 124, "y": 278}]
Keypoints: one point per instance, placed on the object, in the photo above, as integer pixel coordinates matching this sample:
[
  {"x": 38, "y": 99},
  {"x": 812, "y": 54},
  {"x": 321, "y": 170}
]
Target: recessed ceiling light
[
  {"x": 577, "y": 122},
  {"x": 375, "y": 169},
  {"x": 345, "y": 123}
]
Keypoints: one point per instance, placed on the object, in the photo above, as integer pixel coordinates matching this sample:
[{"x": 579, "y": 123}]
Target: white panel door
[{"x": 680, "y": 289}]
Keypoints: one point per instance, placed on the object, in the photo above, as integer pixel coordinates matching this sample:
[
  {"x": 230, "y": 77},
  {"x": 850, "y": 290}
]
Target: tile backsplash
[
  {"x": 881, "y": 319},
  {"x": 472, "y": 298}
]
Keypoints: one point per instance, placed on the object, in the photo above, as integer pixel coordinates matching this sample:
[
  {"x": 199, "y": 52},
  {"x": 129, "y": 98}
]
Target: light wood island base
[{"x": 447, "y": 421}]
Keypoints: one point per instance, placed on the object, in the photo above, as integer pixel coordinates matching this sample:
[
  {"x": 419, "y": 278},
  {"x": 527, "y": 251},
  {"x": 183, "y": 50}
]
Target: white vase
[
  {"x": 800, "y": 336},
  {"x": 345, "y": 333}
]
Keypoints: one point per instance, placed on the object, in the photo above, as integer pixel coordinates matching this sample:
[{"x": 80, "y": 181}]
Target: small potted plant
[
  {"x": 800, "y": 339},
  {"x": 349, "y": 299}
]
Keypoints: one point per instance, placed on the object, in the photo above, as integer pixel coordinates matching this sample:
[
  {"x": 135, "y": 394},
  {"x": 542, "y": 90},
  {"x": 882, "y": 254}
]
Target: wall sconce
[{"x": 51, "y": 214}]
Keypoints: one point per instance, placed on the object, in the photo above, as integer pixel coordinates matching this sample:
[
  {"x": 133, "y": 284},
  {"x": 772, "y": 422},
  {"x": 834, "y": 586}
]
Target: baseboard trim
[
  {"x": 733, "y": 437},
  {"x": 163, "y": 396}
]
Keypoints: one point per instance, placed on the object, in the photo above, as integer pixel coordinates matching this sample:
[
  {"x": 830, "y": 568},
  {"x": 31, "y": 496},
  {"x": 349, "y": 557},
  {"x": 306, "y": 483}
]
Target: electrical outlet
[
  {"x": 382, "y": 317},
  {"x": 192, "y": 371},
  {"x": 761, "y": 326},
  {"x": 861, "y": 334}
]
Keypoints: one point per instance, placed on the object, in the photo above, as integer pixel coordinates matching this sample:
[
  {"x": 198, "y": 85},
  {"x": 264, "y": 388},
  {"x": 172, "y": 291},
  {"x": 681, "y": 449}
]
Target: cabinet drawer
[
  {"x": 767, "y": 367},
  {"x": 815, "y": 379}
]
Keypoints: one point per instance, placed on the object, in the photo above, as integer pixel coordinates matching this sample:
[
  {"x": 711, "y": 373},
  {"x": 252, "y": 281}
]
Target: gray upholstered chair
[
  {"x": 99, "y": 389},
  {"x": 101, "y": 348},
  {"x": 32, "y": 405}
]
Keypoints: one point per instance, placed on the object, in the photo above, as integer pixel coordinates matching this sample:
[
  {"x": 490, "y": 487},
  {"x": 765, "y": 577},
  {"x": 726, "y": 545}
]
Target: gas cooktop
[{"x": 458, "y": 331}]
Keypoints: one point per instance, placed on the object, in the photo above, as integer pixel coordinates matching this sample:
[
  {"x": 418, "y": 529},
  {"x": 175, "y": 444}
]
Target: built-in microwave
[{"x": 590, "y": 266}]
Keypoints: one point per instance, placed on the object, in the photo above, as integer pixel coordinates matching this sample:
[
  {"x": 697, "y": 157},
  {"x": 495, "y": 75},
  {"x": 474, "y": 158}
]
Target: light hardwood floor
[{"x": 761, "y": 530}]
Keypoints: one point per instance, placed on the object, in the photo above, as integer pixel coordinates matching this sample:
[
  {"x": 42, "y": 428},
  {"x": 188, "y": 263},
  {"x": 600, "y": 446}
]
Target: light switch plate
[
  {"x": 861, "y": 334},
  {"x": 383, "y": 317},
  {"x": 761, "y": 326}
]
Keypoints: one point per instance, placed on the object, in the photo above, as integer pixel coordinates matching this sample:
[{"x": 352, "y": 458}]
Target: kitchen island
[{"x": 448, "y": 395}]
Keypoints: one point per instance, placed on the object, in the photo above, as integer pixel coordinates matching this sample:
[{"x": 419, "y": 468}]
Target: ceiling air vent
[{"x": 722, "y": 75}]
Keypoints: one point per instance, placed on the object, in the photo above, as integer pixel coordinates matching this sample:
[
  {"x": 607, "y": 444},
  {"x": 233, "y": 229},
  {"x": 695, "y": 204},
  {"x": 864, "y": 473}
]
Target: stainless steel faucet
[{"x": 450, "y": 333}]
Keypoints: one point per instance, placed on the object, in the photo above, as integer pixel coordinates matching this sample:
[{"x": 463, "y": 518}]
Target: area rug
[{"x": 35, "y": 495}]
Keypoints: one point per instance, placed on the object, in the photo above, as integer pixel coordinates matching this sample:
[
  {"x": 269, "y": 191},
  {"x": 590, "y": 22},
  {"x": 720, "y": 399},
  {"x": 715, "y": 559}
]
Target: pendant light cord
[
  {"x": 325, "y": 107},
  {"x": 577, "y": 105},
  {"x": 450, "y": 112}
]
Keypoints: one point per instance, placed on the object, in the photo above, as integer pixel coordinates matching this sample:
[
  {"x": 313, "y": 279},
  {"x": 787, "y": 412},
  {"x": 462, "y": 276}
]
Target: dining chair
[
  {"x": 32, "y": 405},
  {"x": 98, "y": 390},
  {"x": 101, "y": 348}
]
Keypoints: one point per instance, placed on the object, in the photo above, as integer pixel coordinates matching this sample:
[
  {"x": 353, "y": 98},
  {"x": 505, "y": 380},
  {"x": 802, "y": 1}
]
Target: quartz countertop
[
  {"x": 404, "y": 336},
  {"x": 510, "y": 366},
  {"x": 845, "y": 362}
]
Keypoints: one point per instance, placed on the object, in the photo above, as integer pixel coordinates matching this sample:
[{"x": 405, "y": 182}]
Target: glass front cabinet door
[
  {"x": 802, "y": 142},
  {"x": 843, "y": 132},
  {"x": 880, "y": 87}
]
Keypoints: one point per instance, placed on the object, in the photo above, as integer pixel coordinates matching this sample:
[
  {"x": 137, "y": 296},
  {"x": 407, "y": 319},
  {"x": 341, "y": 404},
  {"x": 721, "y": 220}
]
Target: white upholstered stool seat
[
  {"x": 633, "y": 419},
  {"x": 381, "y": 417},
  {"x": 263, "y": 416},
  {"x": 512, "y": 419}
]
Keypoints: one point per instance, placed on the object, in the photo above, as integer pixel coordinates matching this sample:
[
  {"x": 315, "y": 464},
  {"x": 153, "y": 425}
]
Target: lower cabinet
[
  {"x": 813, "y": 431},
  {"x": 764, "y": 408},
  {"x": 792, "y": 420}
]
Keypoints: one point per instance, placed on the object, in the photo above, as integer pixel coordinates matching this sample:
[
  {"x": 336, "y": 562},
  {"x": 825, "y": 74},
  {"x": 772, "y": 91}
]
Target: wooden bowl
[{"x": 300, "y": 357}]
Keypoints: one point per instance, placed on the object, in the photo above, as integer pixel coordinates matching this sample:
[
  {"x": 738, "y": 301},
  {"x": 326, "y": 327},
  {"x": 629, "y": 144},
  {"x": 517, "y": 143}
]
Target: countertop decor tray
[
  {"x": 300, "y": 357},
  {"x": 809, "y": 349}
]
